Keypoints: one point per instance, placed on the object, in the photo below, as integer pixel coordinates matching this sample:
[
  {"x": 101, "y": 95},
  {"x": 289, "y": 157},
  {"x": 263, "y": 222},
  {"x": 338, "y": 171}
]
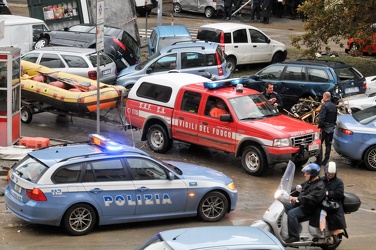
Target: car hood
[
  {"x": 280, "y": 126},
  {"x": 192, "y": 171},
  {"x": 127, "y": 71}
]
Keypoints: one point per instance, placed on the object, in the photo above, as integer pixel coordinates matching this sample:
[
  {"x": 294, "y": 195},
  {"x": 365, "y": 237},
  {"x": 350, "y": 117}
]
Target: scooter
[{"x": 274, "y": 219}]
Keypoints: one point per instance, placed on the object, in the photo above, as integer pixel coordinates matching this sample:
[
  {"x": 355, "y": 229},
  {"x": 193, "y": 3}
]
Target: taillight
[
  {"x": 347, "y": 132},
  {"x": 222, "y": 41},
  {"x": 92, "y": 74},
  {"x": 364, "y": 85},
  {"x": 36, "y": 194},
  {"x": 219, "y": 65},
  {"x": 117, "y": 41}
]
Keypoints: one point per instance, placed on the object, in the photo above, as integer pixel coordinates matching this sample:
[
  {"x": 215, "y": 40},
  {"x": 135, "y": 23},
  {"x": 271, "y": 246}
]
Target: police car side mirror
[
  {"x": 225, "y": 118},
  {"x": 149, "y": 70},
  {"x": 171, "y": 176}
]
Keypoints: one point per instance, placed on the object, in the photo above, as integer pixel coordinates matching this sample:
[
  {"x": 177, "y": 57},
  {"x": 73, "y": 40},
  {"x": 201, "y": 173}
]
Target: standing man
[
  {"x": 273, "y": 97},
  {"x": 309, "y": 199},
  {"x": 327, "y": 122},
  {"x": 256, "y": 10},
  {"x": 266, "y": 6},
  {"x": 228, "y": 9}
]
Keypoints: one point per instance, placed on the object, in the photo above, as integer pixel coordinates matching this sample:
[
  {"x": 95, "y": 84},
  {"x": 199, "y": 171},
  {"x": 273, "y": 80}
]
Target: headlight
[
  {"x": 281, "y": 142},
  {"x": 231, "y": 186},
  {"x": 317, "y": 135}
]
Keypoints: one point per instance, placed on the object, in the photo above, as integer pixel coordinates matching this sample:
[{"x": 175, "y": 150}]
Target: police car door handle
[
  {"x": 96, "y": 190},
  {"x": 142, "y": 189}
]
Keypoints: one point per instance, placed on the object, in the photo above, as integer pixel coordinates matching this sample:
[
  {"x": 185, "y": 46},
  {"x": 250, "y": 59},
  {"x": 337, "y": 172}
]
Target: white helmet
[{"x": 331, "y": 168}]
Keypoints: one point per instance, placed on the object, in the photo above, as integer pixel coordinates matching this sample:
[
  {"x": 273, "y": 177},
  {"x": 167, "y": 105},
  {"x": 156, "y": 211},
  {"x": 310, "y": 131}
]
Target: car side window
[
  {"x": 317, "y": 75},
  {"x": 294, "y": 73},
  {"x": 75, "y": 61},
  {"x": 105, "y": 170},
  {"x": 144, "y": 169},
  {"x": 154, "y": 92},
  {"x": 32, "y": 57},
  {"x": 190, "y": 102},
  {"x": 67, "y": 174},
  {"x": 192, "y": 60},
  {"x": 164, "y": 63},
  {"x": 273, "y": 72},
  {"x": 257, "y": 36},
  {"x": 51, "y": 61},
  {"x": 227, "y": 37},
  {"x": 240, "y": 36}
]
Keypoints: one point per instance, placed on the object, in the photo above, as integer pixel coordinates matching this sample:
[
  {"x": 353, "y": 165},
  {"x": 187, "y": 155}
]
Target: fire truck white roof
[{"x": 172, "y": 79}]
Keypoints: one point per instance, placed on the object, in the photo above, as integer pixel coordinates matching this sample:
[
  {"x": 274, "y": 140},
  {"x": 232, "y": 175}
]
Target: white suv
[{"x": 243, "y": 44}]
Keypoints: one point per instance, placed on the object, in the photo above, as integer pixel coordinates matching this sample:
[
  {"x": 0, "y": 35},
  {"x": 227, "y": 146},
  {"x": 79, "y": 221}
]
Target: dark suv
[
  {"x": 118, "y": 44},
  {"x": 309, "y": 78}
]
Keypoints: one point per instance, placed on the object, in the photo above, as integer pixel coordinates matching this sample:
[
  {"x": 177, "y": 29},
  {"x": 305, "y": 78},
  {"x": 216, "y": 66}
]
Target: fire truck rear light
[{"x": 35, "y": 194}]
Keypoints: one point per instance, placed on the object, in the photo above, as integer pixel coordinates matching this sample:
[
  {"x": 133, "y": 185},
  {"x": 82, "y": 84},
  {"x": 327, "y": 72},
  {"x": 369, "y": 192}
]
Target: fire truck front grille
[{"x": 304, "y": 139}]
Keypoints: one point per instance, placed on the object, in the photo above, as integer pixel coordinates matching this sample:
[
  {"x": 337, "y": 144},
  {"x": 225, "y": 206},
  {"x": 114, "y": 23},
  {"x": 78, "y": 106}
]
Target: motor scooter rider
[
  {"x": 334, "y": 191},
  {"x": 308, "y": 201}
]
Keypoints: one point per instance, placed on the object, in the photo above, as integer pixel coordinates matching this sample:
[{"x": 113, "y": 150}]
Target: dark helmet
[{"x": 313, "y": 169}]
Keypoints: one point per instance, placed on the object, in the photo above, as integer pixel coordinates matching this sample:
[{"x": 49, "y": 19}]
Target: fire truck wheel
[
  {"x": 158, "y": 139},
  {"x": 254, "y": 161}
]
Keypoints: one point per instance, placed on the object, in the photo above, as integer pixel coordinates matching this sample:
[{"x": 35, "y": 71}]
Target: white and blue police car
[{"x": 102, "y": 182}]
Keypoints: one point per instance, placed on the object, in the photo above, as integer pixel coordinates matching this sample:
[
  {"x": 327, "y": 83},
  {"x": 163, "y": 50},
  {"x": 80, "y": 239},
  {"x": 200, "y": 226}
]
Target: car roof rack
[{"x": 195, "y": 46}]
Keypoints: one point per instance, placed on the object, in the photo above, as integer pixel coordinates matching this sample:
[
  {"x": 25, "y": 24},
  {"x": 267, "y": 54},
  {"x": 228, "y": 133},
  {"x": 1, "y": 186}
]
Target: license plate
[
  {"x": 17, "y": 188},
  {"x": 106, "y": 72},
  {"x": 313, "y": 147},
  {"x": 16, "y": 195},
  {"x": 352, "y": 90}
]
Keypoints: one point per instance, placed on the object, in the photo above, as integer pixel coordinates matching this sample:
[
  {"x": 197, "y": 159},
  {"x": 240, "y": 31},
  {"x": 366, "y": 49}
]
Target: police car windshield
[
  {"x": 252, "y": 107},
  {"x": 30, "y": 169}
]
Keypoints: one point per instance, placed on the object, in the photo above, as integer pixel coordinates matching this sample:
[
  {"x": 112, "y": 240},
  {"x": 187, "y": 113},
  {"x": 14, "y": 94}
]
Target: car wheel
[
  {"x": 278, "y": 57},
  {"x": 26, "y": 115},
  {"x": 370, "y": 158},
  {"x": 80, "y": 219},
  {"x": 231, "y": 63},
  {"x": 158, "y": 139},
  {"x": 213, "y": 207},
  {"x": 43, "y": 42},
  {"x": 177, "y": 7},
  {"x": 209, "y": 12},
  {"x": 254, "y": 161}
]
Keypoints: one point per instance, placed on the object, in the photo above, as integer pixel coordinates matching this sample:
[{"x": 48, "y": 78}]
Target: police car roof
[{"x": 52, "y": 155}]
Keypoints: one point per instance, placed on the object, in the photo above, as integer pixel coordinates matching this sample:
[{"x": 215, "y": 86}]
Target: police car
[{"x": 103, "y": 182}]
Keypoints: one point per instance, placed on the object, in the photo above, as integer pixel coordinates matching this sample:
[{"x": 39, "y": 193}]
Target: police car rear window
[
  {"x": 154, "y": 92},
  {"x": 30, "y": 169}
]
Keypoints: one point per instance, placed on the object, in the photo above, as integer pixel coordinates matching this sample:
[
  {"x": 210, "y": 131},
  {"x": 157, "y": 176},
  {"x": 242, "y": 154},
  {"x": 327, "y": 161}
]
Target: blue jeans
[{"x": 294, "y": 214}]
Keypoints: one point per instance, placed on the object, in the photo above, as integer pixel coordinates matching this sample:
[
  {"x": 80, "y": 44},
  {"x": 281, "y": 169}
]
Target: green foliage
[{"x": 335, "y": 21}]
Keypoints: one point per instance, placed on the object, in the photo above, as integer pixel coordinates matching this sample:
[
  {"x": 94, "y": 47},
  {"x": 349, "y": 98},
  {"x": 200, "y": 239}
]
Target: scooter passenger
[
  {"x": 334, "y": 191},
  {"x": 308, "y": 201}
]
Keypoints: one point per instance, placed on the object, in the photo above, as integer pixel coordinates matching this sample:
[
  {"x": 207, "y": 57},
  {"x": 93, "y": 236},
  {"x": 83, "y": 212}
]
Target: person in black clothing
[
  {"x": 327, "y": 121},
  {"x": 256, "y": 10},
  {"x": 309, "y": 199},
  {"x": 273, "y": 97},
  {"x": 228, "y": 9},
  {"x": 334, "y": 191},
  {"x": 266, "y": 8}
]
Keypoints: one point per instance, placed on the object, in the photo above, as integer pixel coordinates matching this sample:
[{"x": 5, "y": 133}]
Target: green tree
[{"x": 335, "y": 21}]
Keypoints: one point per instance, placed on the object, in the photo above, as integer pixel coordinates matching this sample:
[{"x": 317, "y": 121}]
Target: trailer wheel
[{"x": 26, "y": 115}]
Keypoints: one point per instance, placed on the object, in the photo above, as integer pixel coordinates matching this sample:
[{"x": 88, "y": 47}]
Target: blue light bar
[
  {"x": 228, "y": 83},
  {"x": 107, "y": 144}
]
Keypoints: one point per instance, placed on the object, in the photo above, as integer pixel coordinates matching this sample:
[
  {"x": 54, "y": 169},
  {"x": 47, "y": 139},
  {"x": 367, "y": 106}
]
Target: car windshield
[
  {"x": 104, "y": 59},
  {"x": 365, "y": 116},
  {"x": 252, "y": 107},
  {"x": 30, "y": 169},
  {"x": 144, "y": 63}
]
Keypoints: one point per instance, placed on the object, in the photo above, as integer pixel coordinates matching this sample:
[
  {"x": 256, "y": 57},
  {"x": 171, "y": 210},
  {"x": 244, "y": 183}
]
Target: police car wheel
[
  {"x": 79, "y": 220},
  {"x": 254, "y": 161},
  {"x": 370, "y": 158},
  {"x": 158, "y": 139},
  {"x": 213, "y": 207}
]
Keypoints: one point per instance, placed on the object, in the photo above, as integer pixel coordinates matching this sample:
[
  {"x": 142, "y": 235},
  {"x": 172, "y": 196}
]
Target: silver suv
[
  {"x": 198, "y": 57},
  {"x": 73, "y": 60}
]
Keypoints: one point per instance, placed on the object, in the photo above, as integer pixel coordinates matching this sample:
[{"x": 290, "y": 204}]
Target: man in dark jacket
[
  {"x": 334, "y": 191},
  {"x": 228, "y": 9},
  {"x": 327, "y": 122},
  {"x": 305, "y": 205},
  {"x": 274, "y": 98},
  {"x": 266, "y": 8}
]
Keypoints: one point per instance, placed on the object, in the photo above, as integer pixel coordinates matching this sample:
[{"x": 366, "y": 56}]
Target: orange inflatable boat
[{"x": 65, "y": 91}]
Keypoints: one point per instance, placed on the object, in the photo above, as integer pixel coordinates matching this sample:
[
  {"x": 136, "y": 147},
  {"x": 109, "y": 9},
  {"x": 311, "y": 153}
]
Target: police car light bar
[
  {"x": 105, "y": 143},
  {"x": 224, "y": 83}
]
